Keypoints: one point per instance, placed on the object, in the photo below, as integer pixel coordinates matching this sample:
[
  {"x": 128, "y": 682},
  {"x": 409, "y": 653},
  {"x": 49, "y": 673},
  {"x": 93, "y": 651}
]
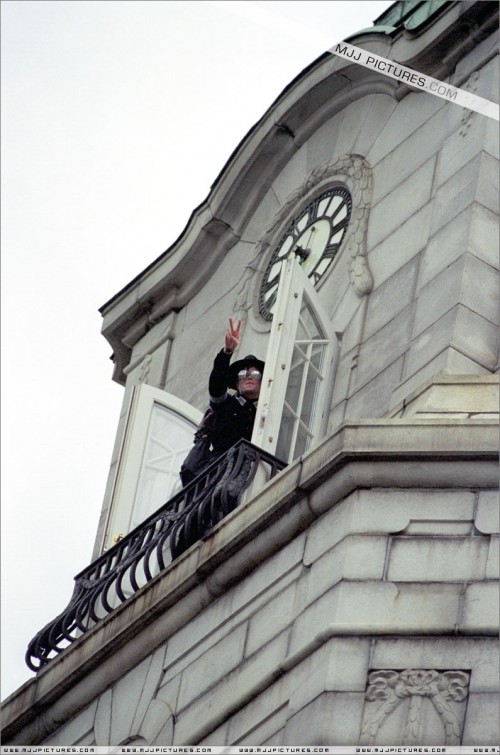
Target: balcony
[{"x": 146, "y": 551}]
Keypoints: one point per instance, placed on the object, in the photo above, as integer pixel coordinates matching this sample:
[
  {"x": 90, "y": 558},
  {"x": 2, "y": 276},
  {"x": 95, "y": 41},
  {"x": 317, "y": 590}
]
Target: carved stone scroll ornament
[
  {"x": 351, "y": 170},
  {"x": 420, "y": 687}
]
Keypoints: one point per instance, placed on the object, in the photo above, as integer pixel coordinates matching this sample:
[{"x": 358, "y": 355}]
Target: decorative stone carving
[
  {"x": 355, "y": 172},
  {"x": 415, "y": 694},
  {"x": 145, "y": 368}
]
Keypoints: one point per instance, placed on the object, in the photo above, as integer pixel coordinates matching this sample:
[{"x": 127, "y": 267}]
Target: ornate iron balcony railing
[{"x": 149, "y": 548}]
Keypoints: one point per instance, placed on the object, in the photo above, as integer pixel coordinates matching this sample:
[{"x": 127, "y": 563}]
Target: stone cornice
[{"x": 375, "y": 453}]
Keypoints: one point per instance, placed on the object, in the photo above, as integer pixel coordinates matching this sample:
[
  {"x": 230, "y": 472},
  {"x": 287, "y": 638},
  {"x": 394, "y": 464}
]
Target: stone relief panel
[
  {"x": 145, "y": 368},
  {"x": 414, "y": 707},
  {"x": 129, "y": 712}
]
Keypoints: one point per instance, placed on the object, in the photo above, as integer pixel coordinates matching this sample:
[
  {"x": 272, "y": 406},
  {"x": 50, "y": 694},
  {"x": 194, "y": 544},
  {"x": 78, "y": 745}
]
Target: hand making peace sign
[{"x": 232, "y": 336}]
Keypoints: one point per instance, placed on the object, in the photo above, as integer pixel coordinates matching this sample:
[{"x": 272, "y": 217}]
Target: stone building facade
[{"x": 353, "y": 598}]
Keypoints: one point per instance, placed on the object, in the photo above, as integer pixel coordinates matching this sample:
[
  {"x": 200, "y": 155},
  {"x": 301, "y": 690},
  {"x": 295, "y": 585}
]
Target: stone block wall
[
  {"x": 432, "y": 250},
  {"x": 373, "y": 625}
]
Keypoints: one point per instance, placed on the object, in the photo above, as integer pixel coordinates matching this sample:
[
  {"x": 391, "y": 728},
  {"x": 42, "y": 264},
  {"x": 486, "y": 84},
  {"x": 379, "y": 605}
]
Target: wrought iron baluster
[{"x": 182, "y": 521}]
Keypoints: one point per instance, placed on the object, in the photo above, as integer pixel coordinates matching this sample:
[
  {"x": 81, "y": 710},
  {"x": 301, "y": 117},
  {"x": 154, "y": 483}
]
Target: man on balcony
[
  {"x": 234, "y": 412},
  {"x": 231, "y": 414}
]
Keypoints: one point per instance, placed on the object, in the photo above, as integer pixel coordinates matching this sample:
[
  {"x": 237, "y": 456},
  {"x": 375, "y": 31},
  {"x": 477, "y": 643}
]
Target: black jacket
[{"x": 234, "y": 415}]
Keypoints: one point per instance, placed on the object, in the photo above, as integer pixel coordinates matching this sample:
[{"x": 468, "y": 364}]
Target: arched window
[{"x": 301, "y": 360}]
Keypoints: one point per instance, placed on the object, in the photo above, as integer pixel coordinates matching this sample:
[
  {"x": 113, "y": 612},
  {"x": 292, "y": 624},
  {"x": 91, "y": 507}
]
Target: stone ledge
[
  {"x": 382, "y": 453},
  {"x": 445, "y": 394}
]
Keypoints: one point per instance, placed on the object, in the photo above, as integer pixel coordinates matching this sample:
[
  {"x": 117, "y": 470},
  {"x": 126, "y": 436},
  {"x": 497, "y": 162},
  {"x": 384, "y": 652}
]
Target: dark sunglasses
[{"x": 254, "y": 374}]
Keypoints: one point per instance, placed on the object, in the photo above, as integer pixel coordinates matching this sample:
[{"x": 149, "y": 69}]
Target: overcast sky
[{"x": 117, "y": 116}]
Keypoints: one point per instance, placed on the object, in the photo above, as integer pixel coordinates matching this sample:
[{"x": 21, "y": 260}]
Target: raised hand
[{"x": 232, "y": 336}]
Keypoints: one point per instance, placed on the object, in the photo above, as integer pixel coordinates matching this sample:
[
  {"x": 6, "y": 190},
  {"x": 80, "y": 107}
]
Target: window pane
[
  {"x": 310, "y": 395},
  {"x": 302, "y": 388},
  {"x": 317, "y": 354},
  {"x": 309, "y": 322},
  {"x": 285, "y": 434},
  {"x": 302, "y": 443},
  {"x": 302, "y": 332},
  {"x": 170, "y": 438},
  {"x": 295, "y": 380}
]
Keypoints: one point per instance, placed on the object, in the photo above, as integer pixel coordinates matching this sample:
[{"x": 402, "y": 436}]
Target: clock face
[{"x": 315, "y": 236}]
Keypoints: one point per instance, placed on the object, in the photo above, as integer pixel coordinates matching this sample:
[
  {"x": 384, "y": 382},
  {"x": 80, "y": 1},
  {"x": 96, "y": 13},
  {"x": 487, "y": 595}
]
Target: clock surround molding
[{"x": 352, "y": 171}]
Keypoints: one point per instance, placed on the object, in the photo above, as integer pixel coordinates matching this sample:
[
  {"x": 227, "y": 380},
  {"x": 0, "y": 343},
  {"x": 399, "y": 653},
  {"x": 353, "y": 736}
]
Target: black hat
[{"x": 235, "y": 367}]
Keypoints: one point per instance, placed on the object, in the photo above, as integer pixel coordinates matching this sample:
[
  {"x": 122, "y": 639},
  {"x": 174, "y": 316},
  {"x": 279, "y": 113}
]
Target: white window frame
[
  {"x": 144, "y": 398},
  {"x": 293, "y": 287}
]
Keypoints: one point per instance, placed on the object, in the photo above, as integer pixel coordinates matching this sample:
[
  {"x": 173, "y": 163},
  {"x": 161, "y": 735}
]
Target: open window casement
[
  {"x": 158, "y": 436},
  {"x": 292, "y": 412}
]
